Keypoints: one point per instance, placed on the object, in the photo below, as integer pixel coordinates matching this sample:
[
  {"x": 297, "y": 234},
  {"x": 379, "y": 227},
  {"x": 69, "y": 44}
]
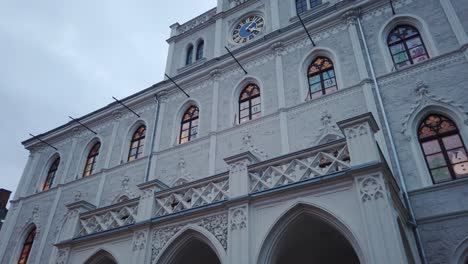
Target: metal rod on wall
[
  {"x": 129, "y": 109},
  {"x": 232, "y": 55},
  {"x": 393, "y": 8},
  {"x": 180, "y": 88},
  {"x": 42, "y": 141},
  {"x": 307, "y": 31},
  {"x": 83, "y": 125}
]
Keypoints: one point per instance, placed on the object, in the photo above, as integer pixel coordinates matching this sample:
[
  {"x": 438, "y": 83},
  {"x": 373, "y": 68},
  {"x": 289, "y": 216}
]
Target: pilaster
[
  {"x": 359, "y": 132},
  {"x": 350, "y": 18},
  {"x": 116, "y": 115},
  {"x": 215, "y": 74},
  {"x": 218, "y": 48},
  {"x": 162, "y": 98},
  {"x": 8, "y": 227},
  {"x": 71, "y": 223},
  {"x": 239, "y": 181},
  {"x": 170, "y": 54},
  {"x": 146, "y": 206},
  {"x": 139, "y": 244},
  {"x": 238, "y": 234},
  {"x": 24, "y": 178},
  {"x": 66, "y": 171}
]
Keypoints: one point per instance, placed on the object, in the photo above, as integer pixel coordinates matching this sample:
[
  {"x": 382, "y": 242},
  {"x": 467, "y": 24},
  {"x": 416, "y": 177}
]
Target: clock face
[{"x": 248, "y": 28}]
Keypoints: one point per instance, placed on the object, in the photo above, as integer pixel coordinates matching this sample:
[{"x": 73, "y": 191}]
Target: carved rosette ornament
[
  {"x": 371, "y": 188},
  {"x": 216, "y": 225},
  {"x": 139, "y": 241},
  {"x": 238, "y": 218},
  {"x": 62, "y": 256}
]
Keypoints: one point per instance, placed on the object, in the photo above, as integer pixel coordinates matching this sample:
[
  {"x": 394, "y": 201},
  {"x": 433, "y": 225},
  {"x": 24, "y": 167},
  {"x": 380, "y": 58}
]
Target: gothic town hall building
[{"x": 348, "y": 146}]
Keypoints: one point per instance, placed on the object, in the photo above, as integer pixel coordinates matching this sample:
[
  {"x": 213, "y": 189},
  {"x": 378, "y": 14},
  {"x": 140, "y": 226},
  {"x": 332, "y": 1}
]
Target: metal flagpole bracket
[
  {"x": 232, "y": 55},
  {"x": 393, "y": 8},
  {"x": 83, "y": 125},
  {"x": 307, "y": 31},
  {"x": 180, "y": 88},
  {"x": 129, "y": 109},
  {"x": 43, "y": 141}
]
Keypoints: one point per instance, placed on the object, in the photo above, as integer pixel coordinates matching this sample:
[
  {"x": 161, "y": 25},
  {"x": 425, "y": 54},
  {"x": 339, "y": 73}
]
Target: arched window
[
  {"x": 51, "y": 175},
  {"x": 27, "y": 245},
  {"x": 138, "y": 141},
  {"x": 314, "y": 3},
  {"x": 189, "y": 125},
  {"x": 443, "y": 148},
  {"x": 91, "y": 160},
  {"x": 301, "y": 6},
  {"x": 200, "y": 49},
  {"x": 322, "y": 79},
  {"x": 249, "y": 103},
  {"x": 406, "y": 46},
  {"x": 189, "y": 57}
]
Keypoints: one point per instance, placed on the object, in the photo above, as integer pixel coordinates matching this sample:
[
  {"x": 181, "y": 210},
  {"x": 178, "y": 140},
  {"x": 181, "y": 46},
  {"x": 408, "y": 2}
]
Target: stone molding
[
  {"x": 371, "y": 188},
  {"x": 139, "y": 240},
  {"x": 238, "y": 218}
]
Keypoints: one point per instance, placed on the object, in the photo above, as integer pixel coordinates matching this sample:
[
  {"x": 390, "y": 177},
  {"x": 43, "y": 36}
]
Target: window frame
[
  {"x": 321, "y": 73},
  {"x": 51, "y": 173},
  {"x": 200, "y": 51},
  {"x": 189, "y": 55},
  {"x": 249, "y": 99},
  {"x": 404, "y": 41},
  {"x": 27, "y": 242},
  {"x": 443, "y": 150},
  {"x": 189, "y": 121},
  {"x": 140, "y": 140},
  {"x": 92, "y": 155},
  {"x": 308, "y": 5}
]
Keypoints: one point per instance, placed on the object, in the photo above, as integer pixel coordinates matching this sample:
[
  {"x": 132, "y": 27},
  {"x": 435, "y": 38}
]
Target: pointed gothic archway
[
  {"x": 101, "y": 257},
  {"x": 191, "y": 246},
  {"x": 306, "y": 234}
]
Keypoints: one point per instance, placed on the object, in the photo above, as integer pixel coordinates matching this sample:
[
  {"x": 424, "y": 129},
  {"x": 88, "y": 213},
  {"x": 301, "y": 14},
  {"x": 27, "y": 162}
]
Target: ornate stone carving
[
  {"x": 357, "y": 130},
  {"x": 425, "y": 98},
  {"x": 116, "y": 115},
  {"x": 76, "y": 196},
  {"x": 327, "y": 129},
  {"x": 62, "y": 256},
  {"x": 196, "y": 22},
  {"x": 386, "y": 9},
  {"x": 238, "y": 218},
  {"x": 125, "y": 192},
  {"x": 350, "y": 17},
  {"x": 234, "y": 3},
  {"x": 139, "y": 240},
  {"x": 215, "y": 74},
  {"x": 278, "y": 48},
  {"x": 371, "y": 188},
  {"x": 249, "y": 145},
  {"x": 217, "y": 225}
]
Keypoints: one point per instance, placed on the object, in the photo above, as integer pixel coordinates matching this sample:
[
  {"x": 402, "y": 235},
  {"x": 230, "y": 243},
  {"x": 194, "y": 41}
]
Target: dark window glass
[
  {"x": 51, "y": 175},
  {"x": 322, "y": 79},
  {"x": 249, "y": 103},
  {"x": 91, "y": 160},
  {"x": 406, "y": 46},
  {"x": 27, "y": 247},
  {"x": 443, "y": 148},
  {"x": 189, "y": 125},
  {"x": 189, "y": 58},
  {"x": 137, "y": 143},
  {"x": 314, "y": 3},
  {"x": 200, "y": 49},
  {"x": 301, "y": 6}
]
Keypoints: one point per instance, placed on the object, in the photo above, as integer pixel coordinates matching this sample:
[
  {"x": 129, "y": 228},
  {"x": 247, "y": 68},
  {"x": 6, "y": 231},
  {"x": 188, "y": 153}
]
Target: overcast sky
[{"x": 60, "y": 58}]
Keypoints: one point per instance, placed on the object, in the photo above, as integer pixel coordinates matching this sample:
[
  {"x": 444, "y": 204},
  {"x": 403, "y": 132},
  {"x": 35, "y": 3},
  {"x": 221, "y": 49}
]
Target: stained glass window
[
  {"x": 406, "y": 46},
  {"x": 322, "y": 79},
  {"x": 301, "y": 6},
  {"x": 51, "y": 175},
  {"x": 200, "y": 48},
  {"x": 249, "y": 103},
  {"x": 137, "y": 143},
  {"x": 27, "y": 245},
  {"x": 189, "y": 58},
  {"x": 443, "y": 148},
  {"x": 189, "y": 125},
  {"x": 91, "y": 160}
]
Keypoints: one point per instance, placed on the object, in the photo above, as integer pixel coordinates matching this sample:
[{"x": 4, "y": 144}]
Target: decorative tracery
[
  {"x": 137, "y": 143},
  {"x": 406, "y": 46},
  {"x": 443, "y": 148},
  {"x": 91, "y": 160},
  {"x": 249, "y": 103},
  {"x": 27, "y": 245},
  {"x": 189, "y": 125},
  {"x": 51, "y": 175},
  {"x": 322, "y": 79}
]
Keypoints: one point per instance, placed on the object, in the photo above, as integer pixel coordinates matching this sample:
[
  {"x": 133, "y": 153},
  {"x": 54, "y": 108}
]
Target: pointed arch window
[
  {"x": 91, "y": 160},
  {"x": 249, "y": 103},
  {"x": 322, "y": 79},
  {"x": 27, "y": 245},
  {"x": 137, "y": 143},
  {"x": 443, "y": 148},
  {"x": 406, "y": 46},
  {"x": 51, "y": 175},
  {"x": 200, "y": 50},
  {"x": 301, "y": 6},
  {"x": 189, "y": 125},
  {"x": 189, "y": 56}
]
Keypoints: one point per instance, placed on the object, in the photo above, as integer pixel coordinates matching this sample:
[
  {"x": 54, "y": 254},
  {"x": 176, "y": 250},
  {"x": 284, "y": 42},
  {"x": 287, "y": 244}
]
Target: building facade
[
  {"x": 345, "y": 147},
  {"x": 4, "y": 196}
]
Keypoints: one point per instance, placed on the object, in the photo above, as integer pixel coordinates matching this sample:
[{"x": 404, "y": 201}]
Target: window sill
[
  {"x": 191, "y": 66},
  {"x": 311, "y": 12}
]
